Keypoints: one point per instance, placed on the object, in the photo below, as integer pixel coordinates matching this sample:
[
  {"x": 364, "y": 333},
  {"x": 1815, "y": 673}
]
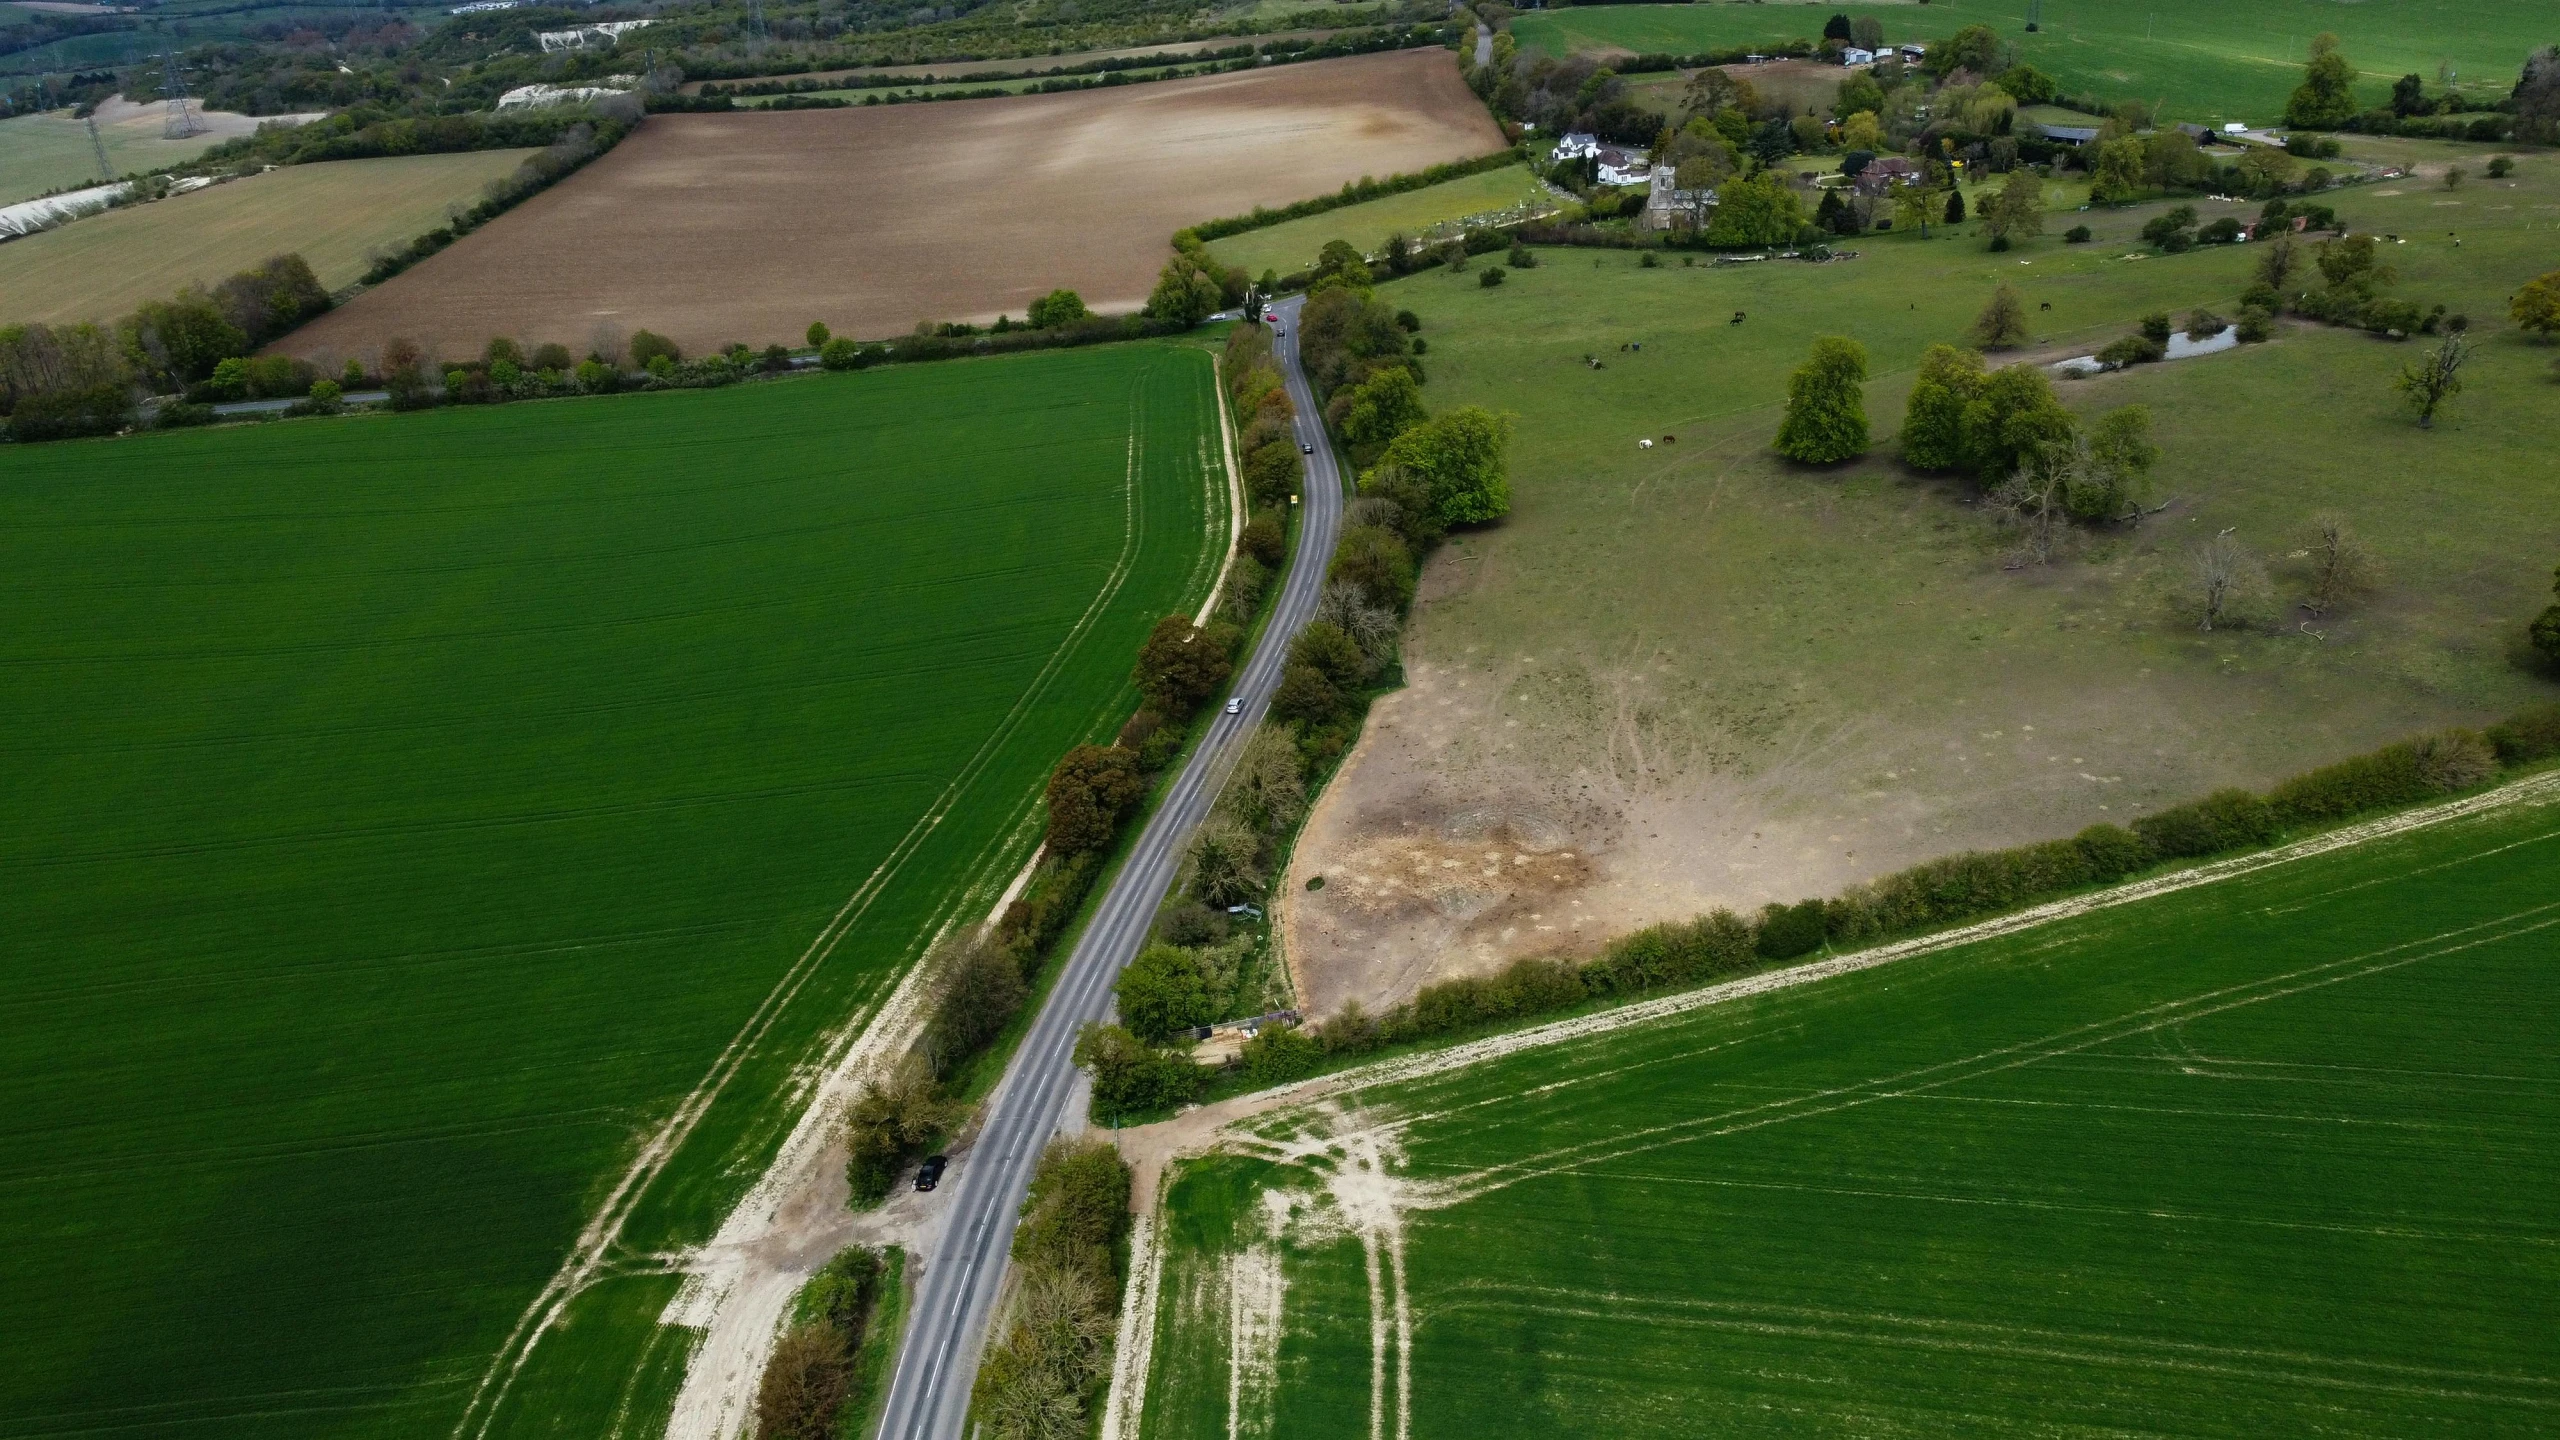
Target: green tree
[
  {"x": 1859, "y": 92},
  {"x": 2326, "y": 98},
  {"x": 2014, "y": 415},
  {"x": 2016, "y": 212},
  {"x": 1091, "y": 788},
  {"x": 2002, "y": 325},
  {"x": 1183, "y": 664},
  {"x": 1757, "y": 211},
  {"x": 1164, "y": 992},
  {"x": 2031, "y": 85},
  {"x": 1914, "y": 206},
  {"x": 2117, "y": 175},
  {"x": 1973, "y": 48},
  {"x": 1131, "y": 1077},
  {"x": 1383, "y": 407},
  {"x": 819, "y": 334},
  {"x": 804, "y": 1384},
  {"x": 1059, "y": 307},
  {"x": 1375, "y": 559},
  {"x": 2434, "y": 378},
  {"x": 1460, "y": 456},
  {"x": 1306, "y": 696},
  {"x": 2536, "y": 306},
  {"x": 1826, "y": 420},
  {"x": 1955, "y": 206},
  {"x": 1331, "y": 652},
  {"x": 1185, "y": 294},
  {"x": 1933, "y": 420},
  {"x": 183, "y": 337},
  {"x": 2113, "y": 465}
]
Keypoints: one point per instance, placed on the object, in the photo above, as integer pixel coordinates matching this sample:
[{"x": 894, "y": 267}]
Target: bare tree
[
  {"x": 2036, "y": 499},
  {"x": 1371, "y": 627},
  {"x": 2227, "y": 578},
  {"x": 2341, "y": 565},
  {"x": 2431, "y": 381},
  {"x": 605, "y": 342}
]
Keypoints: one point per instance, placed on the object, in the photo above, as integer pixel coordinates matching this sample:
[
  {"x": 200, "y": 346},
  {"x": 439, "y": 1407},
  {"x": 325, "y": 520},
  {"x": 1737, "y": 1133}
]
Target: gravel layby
[{"x": 747, "y": 226}]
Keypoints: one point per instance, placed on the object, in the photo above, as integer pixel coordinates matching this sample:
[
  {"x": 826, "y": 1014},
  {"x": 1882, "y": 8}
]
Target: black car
[{"x": 929, "y": 1174}]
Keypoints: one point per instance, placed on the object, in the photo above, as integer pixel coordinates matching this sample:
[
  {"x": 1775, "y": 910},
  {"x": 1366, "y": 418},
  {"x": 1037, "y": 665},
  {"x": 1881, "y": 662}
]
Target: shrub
[
  {"x": 2113, "y": 852},
  {"x": 2224, "y": 820},
  {"x": 1091, "y": 788},
  {"x": 2527, "y": 737},
  {"x": 2451, "y": 760},
  {"x": 2203, "y": 324},
  {"x": 648, "y": 346},
  {"x": 2255, "y": 325},
  {"x": 888, "y": 1124},
  {"x": 1182, "y": 664},
  {"x": 2220, "y": 232},
  {"x": 1278, "y": 1054},
  {"x": 1826, "y": 417},
  {"x": 2157, "y": 326},
  {"x": 1306, "y": 696},
  {"x": 69, "y": 414},
  {"x": 1521, "y": 258},
  {"x": 1787, "y": 931},
  {"x": 2388, "y": 776},
  {"x": 840, "y": 353},
  {"x": 2076, "y": 235},
  {"x": 1164, "y": 992},
  {"x": 2133, "y": 350},
  {"x": 1262, "y": 538},
  {"x": 1491, "y": 276},
  {"x": 1131, "y": 1077},
  {"x": 804, "y": 1385},
  {"x": 977, "y": 991},
  {"x": 2391, "y": 316}
]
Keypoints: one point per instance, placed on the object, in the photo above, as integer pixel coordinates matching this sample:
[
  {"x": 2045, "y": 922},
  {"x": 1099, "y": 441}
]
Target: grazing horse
[
  {"x": 2047, "y": 305},
  {"x": 1737, "y": 318}
]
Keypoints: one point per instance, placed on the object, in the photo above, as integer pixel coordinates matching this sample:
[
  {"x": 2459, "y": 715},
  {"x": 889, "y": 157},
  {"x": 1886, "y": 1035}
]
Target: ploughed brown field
[{"x": 747, "y": 226}]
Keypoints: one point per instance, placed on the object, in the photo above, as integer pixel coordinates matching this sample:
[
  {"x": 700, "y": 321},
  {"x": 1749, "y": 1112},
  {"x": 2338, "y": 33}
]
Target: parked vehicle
[{"x": 929, "y": 1174}]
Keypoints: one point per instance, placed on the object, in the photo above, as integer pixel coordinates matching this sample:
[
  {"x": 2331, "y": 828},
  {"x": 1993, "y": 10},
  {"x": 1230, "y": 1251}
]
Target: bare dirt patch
[
  {"x": 962, "y": 69},
  {"x": 747, "y": 226}
]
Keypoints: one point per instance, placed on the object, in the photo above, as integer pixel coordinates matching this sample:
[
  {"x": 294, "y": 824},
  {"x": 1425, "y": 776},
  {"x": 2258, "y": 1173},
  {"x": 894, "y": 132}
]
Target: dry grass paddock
[{"x": 721, "y": 227}]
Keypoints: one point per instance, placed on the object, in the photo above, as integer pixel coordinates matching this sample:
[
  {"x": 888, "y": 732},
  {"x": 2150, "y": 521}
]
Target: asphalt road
[{"x": 955, "y": 1299}]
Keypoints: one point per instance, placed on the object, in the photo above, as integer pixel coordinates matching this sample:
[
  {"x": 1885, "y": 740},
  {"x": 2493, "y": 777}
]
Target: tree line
[{"x": 812, "y": 1379}]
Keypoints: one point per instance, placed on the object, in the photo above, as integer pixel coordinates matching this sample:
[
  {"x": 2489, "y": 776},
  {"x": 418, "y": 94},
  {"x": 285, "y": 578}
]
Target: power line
[
  {"x": 106, "y": 167},
  {"x": 181, "y": 121}
]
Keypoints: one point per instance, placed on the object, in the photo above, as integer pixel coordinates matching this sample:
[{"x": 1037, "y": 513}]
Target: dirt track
[{"x": 747, "y": 226}]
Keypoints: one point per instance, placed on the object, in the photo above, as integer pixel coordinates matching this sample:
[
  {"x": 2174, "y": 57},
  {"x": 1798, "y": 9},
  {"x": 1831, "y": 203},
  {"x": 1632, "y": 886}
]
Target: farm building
[
  {"x": 1885, "y": 172},
  {"x": 1856, "y": 55},
  {"x": 1667, "y": 207},
  {"x": 2068, "y": 134}
]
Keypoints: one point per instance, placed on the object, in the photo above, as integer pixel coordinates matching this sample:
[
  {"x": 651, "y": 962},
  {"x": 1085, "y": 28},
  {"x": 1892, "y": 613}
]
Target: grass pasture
[
  {"x": 1728, "y": 680},
  {"x": 2200, "y": 60},
  {"x": 334, "y": 214},
  {"x": 408, "y": 811},
  {"x": 2269, "y": 1155},
  {"x": 48, "y": 151},
  {"x": 1292, "y": 245}
]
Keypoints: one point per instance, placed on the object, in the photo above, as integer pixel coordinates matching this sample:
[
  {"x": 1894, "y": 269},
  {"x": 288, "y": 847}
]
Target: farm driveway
[{"x": 712, "y": 228}]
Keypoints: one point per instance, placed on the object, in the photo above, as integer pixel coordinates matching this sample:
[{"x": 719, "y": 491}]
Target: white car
[{"x": 1235, "y": 704}]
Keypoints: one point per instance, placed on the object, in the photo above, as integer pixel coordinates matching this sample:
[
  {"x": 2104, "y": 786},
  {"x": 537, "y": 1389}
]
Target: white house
[
  {"x": 1857, "y": 56},
  {"x": 1622, "y": 167},
  {"x": 1576, "y": 145}
]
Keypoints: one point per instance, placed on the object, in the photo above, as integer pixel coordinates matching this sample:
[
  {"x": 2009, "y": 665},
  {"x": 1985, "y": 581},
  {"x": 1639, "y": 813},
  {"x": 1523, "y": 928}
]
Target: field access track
[
  {"x": 441, "y": 844},
  {"x": 714, "y": 228},
  {"x": 2270, "y": 1154}
]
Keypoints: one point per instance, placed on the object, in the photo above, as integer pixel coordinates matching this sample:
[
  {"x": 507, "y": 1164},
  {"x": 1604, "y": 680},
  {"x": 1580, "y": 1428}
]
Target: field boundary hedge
[
  {"x": 1912, "y": 904},
  {"x": 1353, "y": 192}
]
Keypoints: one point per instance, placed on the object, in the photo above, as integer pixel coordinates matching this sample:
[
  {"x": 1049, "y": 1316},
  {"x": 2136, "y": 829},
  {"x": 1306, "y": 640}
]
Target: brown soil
[{"x": 747, "y": 226}]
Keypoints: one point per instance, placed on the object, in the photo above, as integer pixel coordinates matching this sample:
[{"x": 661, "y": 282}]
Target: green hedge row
[{"x": 1353, "y": 192}]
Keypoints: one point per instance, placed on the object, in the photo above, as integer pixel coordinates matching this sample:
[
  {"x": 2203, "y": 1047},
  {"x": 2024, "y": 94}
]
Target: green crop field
[
  {"x": 408, "y": 813},
  {"x": 1292, "y": 245},
  {"x": 334, "y": 215},
  {"x": 2277, "y": 1154},
  {"x": 2200, "y": 60}
]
